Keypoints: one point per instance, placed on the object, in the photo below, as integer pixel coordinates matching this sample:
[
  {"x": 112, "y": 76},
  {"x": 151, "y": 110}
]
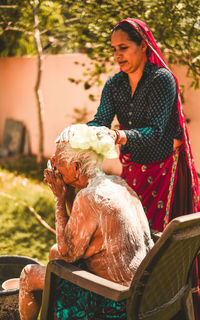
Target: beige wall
[
  {"x": 192, "y": 111},
  {"x": 17, "y": 100}
]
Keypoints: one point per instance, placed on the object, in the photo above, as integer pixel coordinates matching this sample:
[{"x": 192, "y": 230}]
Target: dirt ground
[{"x": 9, "y": 307}]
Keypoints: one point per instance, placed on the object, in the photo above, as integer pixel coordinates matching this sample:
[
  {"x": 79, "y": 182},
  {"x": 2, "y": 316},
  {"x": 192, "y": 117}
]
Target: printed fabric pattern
[
  {"x": 154, "y": 183},
  {"x": 158, "y": 59},
  {"x": 149, "y": 118},
  {"x": 73, "y": 302}
]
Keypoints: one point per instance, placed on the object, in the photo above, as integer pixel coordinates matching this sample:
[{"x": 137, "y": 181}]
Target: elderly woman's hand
[{"x": 55, "y": 181}]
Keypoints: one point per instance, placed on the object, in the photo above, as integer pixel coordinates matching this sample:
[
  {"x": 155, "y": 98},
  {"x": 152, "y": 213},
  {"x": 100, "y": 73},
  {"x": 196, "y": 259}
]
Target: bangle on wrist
[{"x": 118, "y": 136}]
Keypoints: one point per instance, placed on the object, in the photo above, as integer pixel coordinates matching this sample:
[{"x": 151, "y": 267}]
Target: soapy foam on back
[
  {"x": 114, "y": 206},
  {"x": 109, "y": 197}
]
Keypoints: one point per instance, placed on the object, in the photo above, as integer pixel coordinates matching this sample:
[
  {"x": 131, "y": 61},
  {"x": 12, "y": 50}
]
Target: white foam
[{"x": 81, "y": 136}]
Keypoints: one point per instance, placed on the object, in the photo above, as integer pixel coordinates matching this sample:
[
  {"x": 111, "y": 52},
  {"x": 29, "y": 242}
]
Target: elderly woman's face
[{"x": 68, "y": 171}]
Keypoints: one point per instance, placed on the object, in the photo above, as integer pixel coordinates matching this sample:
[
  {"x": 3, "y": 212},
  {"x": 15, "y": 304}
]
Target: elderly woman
[{"x": 107, "y": 228}]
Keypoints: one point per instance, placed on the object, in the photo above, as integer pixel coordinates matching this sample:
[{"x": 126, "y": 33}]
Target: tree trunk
[{"x": 38, "y": 91}]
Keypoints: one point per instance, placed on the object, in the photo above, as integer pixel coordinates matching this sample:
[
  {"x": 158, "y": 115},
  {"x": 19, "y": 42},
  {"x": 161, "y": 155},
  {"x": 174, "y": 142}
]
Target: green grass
[{"x": 21, "y": 188}]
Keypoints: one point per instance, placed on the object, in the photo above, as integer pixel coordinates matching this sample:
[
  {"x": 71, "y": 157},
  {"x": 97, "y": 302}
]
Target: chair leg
[
  {"x": 179, "y": 316},
  {"x": 47, "y": 310},
  {"x": 188, "y": 306}
]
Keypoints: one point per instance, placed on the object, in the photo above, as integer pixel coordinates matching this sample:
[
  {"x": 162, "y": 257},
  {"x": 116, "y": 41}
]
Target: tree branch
[
  {"x": 31, "y": 209},
  {"x": 8, "y": 28},
  {"x": 72, "y": 20},
  {"x": 8, "y": 6}
]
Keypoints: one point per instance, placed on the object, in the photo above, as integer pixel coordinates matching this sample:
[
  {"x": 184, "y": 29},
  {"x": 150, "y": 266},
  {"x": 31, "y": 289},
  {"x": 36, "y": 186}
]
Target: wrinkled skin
[
  {"x": 109, "y": 232},
  {"x": 32, "y": 276}
]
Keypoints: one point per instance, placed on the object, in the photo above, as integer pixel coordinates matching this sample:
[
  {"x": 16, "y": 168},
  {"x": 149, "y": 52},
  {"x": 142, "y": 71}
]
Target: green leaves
[
  {"x": 176, "y": 25},
  {"x": 17, "y": 26},
  {"x": 85, "y": 25}
]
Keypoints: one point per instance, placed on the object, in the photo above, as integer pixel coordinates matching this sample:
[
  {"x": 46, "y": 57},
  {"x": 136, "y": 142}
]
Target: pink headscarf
[{"x": 158, "y": 59}]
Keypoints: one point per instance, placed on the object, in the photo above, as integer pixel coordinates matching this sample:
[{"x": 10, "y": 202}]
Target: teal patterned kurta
[{"x": 150, "y": 118}]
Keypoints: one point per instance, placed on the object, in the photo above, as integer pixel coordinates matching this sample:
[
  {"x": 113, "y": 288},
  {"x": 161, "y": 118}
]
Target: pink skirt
[
  {"x": 164, "y": 188},
  {"x": 155, "y": 185}
]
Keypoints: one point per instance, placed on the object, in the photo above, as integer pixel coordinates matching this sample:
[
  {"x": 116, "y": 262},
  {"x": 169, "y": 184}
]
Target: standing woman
[{"x": 155, "y": 151}]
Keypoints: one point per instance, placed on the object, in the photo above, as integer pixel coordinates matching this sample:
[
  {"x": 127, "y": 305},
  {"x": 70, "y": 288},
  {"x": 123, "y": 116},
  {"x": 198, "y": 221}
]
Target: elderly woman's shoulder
[{"x": 102, "y": 190}]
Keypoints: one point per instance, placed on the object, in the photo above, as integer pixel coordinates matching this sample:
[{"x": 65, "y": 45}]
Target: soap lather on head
[{"x": 92, "y": 143}]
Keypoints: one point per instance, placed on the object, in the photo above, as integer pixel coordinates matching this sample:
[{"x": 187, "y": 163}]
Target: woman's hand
[
  {"x": 54, "y": 180},
  {"x": 118, "y": 136}
]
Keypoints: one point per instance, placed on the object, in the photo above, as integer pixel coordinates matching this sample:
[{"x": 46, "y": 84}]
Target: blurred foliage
[
  {"x": 81, "y": 115},
  {"x": 176, "y": 25},
  {"x": 24, "y": 165},
  {"x": 17, "y": 23},
  {"x": 21, "y": 233},
  {"x": 85, "y": 25}
]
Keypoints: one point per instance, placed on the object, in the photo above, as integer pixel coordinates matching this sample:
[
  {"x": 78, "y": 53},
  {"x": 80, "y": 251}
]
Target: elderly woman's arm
[
  {"x": 64, "y": 195},
  {"x": 74, "y": 241}
]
